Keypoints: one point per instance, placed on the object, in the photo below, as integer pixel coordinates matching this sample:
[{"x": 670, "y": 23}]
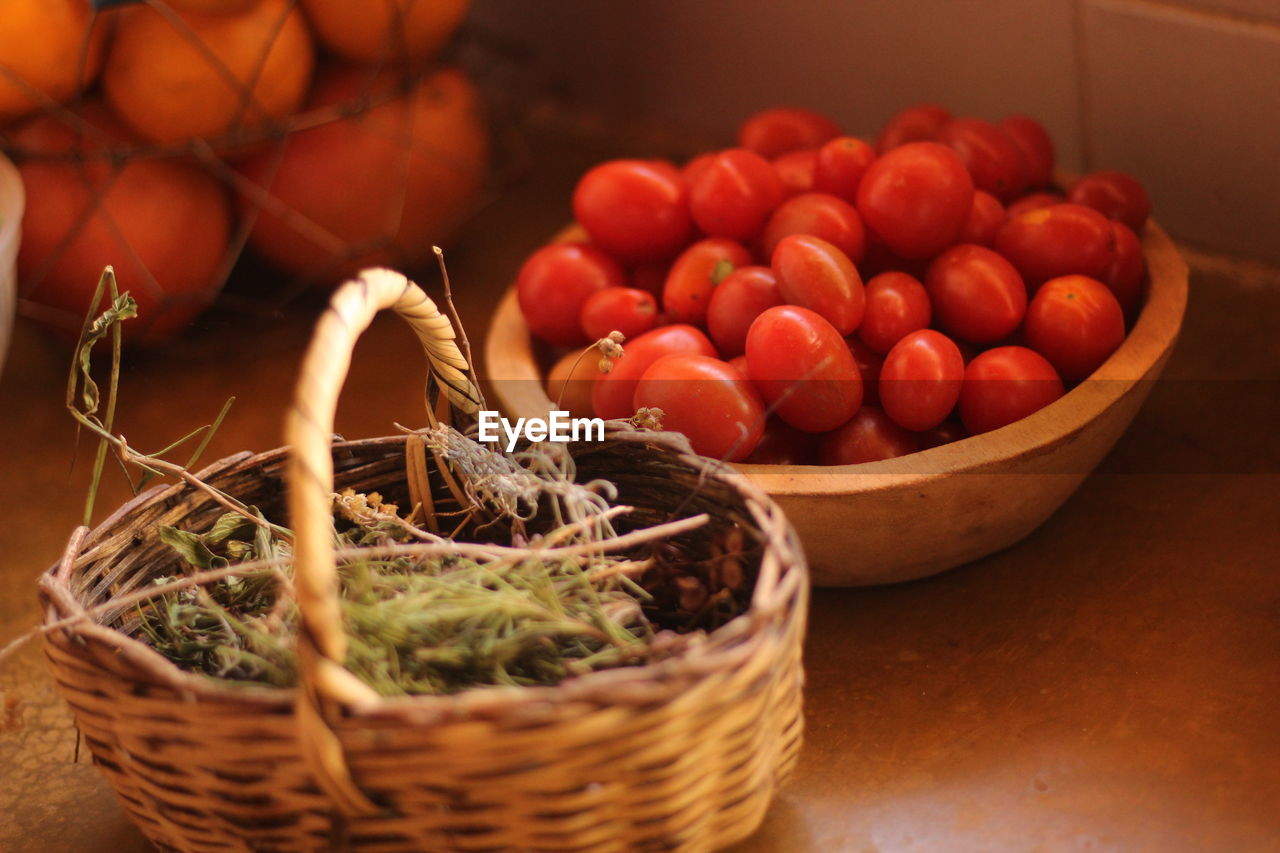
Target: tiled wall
[{"x": 1184, "y": 94}]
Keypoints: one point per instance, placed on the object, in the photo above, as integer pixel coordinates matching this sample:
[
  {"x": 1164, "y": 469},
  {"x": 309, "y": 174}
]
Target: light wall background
[{"x": 1185, "y": 94}]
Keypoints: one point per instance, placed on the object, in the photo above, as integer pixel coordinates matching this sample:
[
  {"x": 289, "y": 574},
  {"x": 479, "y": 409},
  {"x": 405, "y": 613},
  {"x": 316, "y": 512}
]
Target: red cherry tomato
[
  {"x": 744, "y": 295},
  {"x": 1036, "y": 145},
  {"x": 869, "y": 363},
  {"x": 1033, "y": 201},
  {"x": 897, "y": 305},
  {"x": 985, "y": 219},
  {"x": 914, "y": 124},
  {"x": 868, "y": 436},
  {"x": 739, "y": 363},
  {"x": 976, "y": 294},
  {"x": 624, "y": 309},
  {"x": 1075, "y": 322},
  {"x": 944, "y": 433},
  {"x": 784, "y": 445},
  {"x": 804, "y": 368},
  {"x": 839, "y": 166},
  {"x": 694, "y": 167},
  {"x": 1004, "y": 385},
  {"x": 554, "y": 283},
  {"x": 920, "y": 380},
  {"x": 694, "y": 275},
  {"x": 916, "y": 198},
  {"x": 1128, "y": 271},
  {"x": 819, "y": 215},
  {"x": 815, "y": 274},
  {"x": 614, "y": 391},
  {"x": 795, "y": 170},
  {"x": 1058, "y": 240},
  {"x": 636, "y": 210},
  {"x": 993, "y": 159},
  {"x": 734, "y": 194},
  {"x": 774, "y": 132},
  {"x": 706, "y": 399},
  {"x": 1115, "y": 195}
]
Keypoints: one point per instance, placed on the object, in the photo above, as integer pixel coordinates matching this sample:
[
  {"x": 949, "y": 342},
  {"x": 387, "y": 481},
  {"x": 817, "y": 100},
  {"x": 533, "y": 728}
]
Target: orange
[
  {"x": 52, "y": 46},
  {"x": 165, "y": 226},
  {"x": 385, "y": 30},
  {"x": 173, "y": 81},
  {"x": 376, "y": 188}
]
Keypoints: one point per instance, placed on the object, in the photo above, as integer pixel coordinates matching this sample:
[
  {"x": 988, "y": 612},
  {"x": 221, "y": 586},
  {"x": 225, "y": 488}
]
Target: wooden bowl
[
  {"x": 920, "y": 514},
  {"x": 12, "y": 199}
]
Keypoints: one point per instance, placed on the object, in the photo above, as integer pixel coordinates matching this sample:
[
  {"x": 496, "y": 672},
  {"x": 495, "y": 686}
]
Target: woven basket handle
[{"x": 322, "y": 641}]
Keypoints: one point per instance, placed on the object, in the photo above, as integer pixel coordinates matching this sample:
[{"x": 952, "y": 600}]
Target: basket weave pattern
[{"x": 684, "y": 754}]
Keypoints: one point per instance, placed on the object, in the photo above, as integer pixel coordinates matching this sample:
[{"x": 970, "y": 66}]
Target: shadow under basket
[{"x": 680, "y": 754}]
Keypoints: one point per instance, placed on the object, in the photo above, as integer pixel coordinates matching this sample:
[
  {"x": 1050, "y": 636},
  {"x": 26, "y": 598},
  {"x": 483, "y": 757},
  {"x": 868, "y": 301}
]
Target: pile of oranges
[{"x": 162, "y": 136}]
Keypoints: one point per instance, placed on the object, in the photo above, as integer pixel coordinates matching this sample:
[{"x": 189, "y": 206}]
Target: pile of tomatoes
[{"x": 807, "y": 297}]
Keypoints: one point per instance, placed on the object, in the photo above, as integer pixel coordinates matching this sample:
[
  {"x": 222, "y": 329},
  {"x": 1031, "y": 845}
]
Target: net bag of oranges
[
  {"x": 634, "y": 615},
  {"x": 165, "y": 136}
]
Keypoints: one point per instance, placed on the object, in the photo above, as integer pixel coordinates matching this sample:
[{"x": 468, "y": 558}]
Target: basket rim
[{"x": 727, "y": 646}]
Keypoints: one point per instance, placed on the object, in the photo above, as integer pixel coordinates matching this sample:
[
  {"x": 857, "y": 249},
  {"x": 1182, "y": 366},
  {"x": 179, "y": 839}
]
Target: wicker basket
[{"x": 683, "y": 754}]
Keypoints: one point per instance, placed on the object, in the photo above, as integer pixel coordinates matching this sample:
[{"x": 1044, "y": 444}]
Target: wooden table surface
[{"x": 1110, "y": 683}]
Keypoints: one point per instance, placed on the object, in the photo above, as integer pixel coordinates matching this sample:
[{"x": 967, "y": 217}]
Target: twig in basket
[
  {"x": 463, "y": 342},
  {"x": 91, "y": 331},
  {"x": 80, "y": 384}
]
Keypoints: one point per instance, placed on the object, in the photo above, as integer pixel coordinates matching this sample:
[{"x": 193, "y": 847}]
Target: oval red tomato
[
  {"x": 733, "y": 194},
  {"x": 920, "y": 380},
  {"x": 917, "y": 123},
  {"x": 915, "y": 198},
  {"x": 795, "y": 170},
  {"x": 706, "y": 399},
  {"x": 1004, "y": 385},
  {"x": 986, "y": 218},
  {"x": 1115, "y": 195},
  {"x": 744, "y": 295},
  {"x": 976, "y": 294},
  {"x": 1128, "y": 271},
  {"x": 803, "y": 368},
  {"x": 779, "y": 130},
  {"x": 613, "y": 392},
  {"x": 624, "y": 309},
  {"x": 897, "y": 305},
  {"x": 993, "y": 159},
  {"x": 1063, "y": 239},
  {"x": 693, "y": 276},
  {"x": 819, "y": 215},
  {"x": 839, "y": 165},
  {"x": 555, "y": 282},
  {"x": 869, "y": 436},
  {"x": 869, "y": 363},
  {"x": 1033, "y": 201},
  {"x": 1037, "y": 147},
  {"x": 814, "y": 274},
  {"x": 636, "y": 210},
  {"x": 1076, "y": 323}
]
